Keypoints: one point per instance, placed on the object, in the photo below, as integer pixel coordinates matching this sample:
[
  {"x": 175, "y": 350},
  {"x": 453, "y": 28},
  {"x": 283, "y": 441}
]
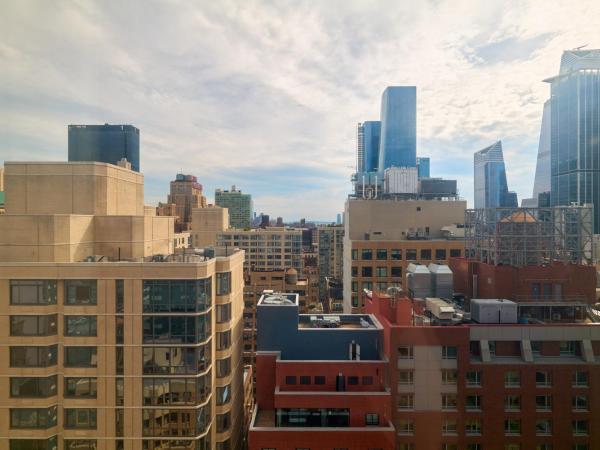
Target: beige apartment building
[
  {"x": 108, "y": 340},
  {"x": 206, "y": 224},
  {"x": 382, "y": 237},
  {"x": 266, "y": 248}
]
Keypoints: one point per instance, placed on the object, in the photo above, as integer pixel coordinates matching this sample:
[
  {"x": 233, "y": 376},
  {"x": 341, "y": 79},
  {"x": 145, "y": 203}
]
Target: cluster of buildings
[{"x": 412, "y": 323}]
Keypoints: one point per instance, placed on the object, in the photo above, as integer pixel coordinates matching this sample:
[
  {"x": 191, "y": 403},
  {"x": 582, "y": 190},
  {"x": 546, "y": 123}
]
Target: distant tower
[
  {"x": 398, "y": 145},
  {"x": 239, "y": 206},
  {"x": 491, "y": 189},
  {"x": 423, "y": 167}
]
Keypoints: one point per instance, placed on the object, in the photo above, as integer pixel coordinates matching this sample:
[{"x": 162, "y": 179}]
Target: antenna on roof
[{"x": 580, "y": 47}]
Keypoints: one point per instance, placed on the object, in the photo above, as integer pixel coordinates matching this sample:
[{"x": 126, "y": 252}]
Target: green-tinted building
[{"x": 238, "y": 204}]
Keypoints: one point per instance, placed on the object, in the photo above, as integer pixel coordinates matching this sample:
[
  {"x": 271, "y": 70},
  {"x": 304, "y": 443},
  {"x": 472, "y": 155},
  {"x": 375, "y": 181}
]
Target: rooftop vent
[{"x": 277, "y": 300}]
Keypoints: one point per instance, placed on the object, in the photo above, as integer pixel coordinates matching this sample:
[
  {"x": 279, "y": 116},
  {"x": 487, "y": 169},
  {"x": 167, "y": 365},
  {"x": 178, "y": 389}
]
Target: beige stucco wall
[{"x": 206, "y": 223}]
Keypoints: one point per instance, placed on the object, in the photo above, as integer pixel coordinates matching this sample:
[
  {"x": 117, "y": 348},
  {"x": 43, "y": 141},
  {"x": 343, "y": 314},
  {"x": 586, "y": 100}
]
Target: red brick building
[{"x": 490, "y": 387}]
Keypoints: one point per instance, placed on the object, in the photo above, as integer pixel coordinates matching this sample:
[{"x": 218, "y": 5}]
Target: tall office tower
[
  {"x": 491, "y": 189},
  {"x": 239, "y": 206},
  {"x": 105, "y": 143},
  {"x": 186, "y": 194},
  {"x": 360, "y": 148},
  {"x": 541, "y": 184},
  {"x": 207, "y": 223},
  {"x": 575, "y": 131},
  {"x": 109, "y": 341},
  {"x": 367, "y": 149},
  {"x": 331, "y": 250},
  {"x": 398, "y": 145},
  {"x": 423, "y": 167}
]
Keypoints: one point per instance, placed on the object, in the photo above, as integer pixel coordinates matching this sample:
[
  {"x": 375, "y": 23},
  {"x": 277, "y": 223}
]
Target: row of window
[
  {"x": 46, "y": 417},
  {"x": 512, "y": 378},
  {"x": 381, "y": 272},
  {"x": 473, "y": 427},
  {"x": 382, "y": 254},
  {"x": 46, "y": 356},
  {"x": 407, "y": 352},
  {"x": 320, "y": 380},
  {"x": 177, "y": 329},
  {"x": 509, "y": 446}
]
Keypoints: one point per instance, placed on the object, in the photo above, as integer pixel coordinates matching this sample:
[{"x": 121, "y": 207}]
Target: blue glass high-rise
[
  {"x": 371, "y": 137},
  {"x": 575, "y": 131},
  {"x": 423, "y": 167},
  {"x": 398, "y": 144},
  {"x": 491, "y": 188},
  {"x": 105, "y": 143}
]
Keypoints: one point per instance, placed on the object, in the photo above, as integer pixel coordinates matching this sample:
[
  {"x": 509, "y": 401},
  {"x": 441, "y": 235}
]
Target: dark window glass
[
  {"x": 396, "y": 272},
  {"x": 33, "y": 417},
  {"x": 223, "y": 367},
  {"x": 80, "y": 325},
  {"x": 354, "y": 254},
  {"x": 352, "y": 381},
  {"x": 33, "y": 387},
  {"x": 177, "y": 329},
  {"x": 301, "y": 417},
  {"x": 223, "y": 422},
  {"x": 319, "y": 379},
  {"x": 371, "y": 419},
  {"x": 426, "y": 254},
  {"x": 354, "y": 271},
  {"x": 32, "y": 292},
  {"x": 176, "y": 391},
  {"x": 81, "y": 292},
  {"x": 119, "y": 391},
  {"x": 223, "y": 394},
  {"x": 367, "y": 254},
  {"x": 223, "y": 340},
  {"x": 176, "y": 360},
  {"x": 119, "y": 360},
  {"x": 34, "y": 444},
  {"x": 171, "y": 422},
  {"x": 455, "y": 253},
  {"x": 223, "y": 283},
  {"x": 119, "y": 296},
  {"x": 381, "y": 253},
  {"x": 33, "y": 325},
  {"x": 304, "y": 379},
  {"x": 80, "y": 387},
  {"x": 290, "y": 379},
  {"x": 411, "y": 254},
  {"x": 367, "y": 271},
  {"x": 396, "y": 254},
  {"x": 177, "y": 295},
  {"x": 80, "y": 356},
  {"x": 80, "y": 444},
  {"x": 223, "y": 313},
  {"x": 33, "y": 356},
  {"x": 367, "y": 380},
  {"x": 119, "y": 330},
  {"x": 440, "y": 253},
  {"x": 80, "y": 418}
]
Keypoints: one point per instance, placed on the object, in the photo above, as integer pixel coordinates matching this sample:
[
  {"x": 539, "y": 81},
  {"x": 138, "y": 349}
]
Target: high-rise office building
[
  {"x": 575, "y": 131},
  {"x": 367, "y": 149},
  {"x": 331, "y": 251},
  {"x": 238, "y": 204},
  {"x": 423, "y": 167},
  {"x": 398, "y": 144},
  {"x": 541, "y": 184},
  {"x": 491, "y": 189},
  {"x": 109, "y": 340},
  {"x": 105, "y": 143},
  {"x": 185, "y": 195}
]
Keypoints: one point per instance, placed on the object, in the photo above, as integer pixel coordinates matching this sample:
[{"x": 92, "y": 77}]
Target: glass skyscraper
[
  {"x": 105, "y": 143},
  {"x": 371, "y": 137},
  {"x": 398, "y": 145},
  {"x": 575, "y": 131},
  {"x": 491, "y": 188},
  {"x": 423, "y": 167}
]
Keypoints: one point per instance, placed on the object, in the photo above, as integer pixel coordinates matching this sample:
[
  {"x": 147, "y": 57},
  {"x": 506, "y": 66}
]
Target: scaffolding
[{"x": 530, "y": 236}]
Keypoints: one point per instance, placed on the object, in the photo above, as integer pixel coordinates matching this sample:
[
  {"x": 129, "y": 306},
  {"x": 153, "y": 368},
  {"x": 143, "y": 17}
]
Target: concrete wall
[{"x": 206, "y": 223}]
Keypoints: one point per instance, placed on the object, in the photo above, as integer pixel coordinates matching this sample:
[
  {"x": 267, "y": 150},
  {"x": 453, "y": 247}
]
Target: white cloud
[{"x": 228, "y": 88}]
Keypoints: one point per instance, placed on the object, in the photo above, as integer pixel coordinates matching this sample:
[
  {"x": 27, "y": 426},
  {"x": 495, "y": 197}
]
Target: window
[
  {"x": 473, "y": 378},
  {"x": 473, "y": 427},
  {"x": 405, "y": 377},
  {"x": 80, "y": 418},
  {"x": 80, "y": 325},
  {"x": 426, "y": 254},
  {"x": 440, "y": 254},
  {"x": 396, "y": 272},
  {"x": 573, "y": 447},
  {"x": 543, "y": 447},
  {"x": 354, "y": 254},
  {"x": 406, "y": 401},
  {"x": 580, "y": 427},
  {"x": 396, "y": 254},
  {"x": 354, "y": 271},
  {"x": 473, "y": 402},
  {"x": 33, "y": 356},
  {"x": 512, "y": 378},
  {"x": 449, "y": 352},
  {"x": 33, "y": 417},
  {"x": 543, "y": 378},
  {"x": 580, "y": 403},
  {"x": 176, "y": 329},
  {"x": 580, "y": 379},
  {"x": 304, "y": 379},
  {"x": 367, "y": 254},
  {"x": 512, "y": 403},
  {"x": 455, "y": 253},
  {"x": 354, "y": 286},
  {"x": 543, "y": 427},
  {"x": 371, "y": 419},
  {"x": 512, "y": 446},
  {"x": 307, "y": 417},
  {"x": 33, "y": 387},
  {"x": 381, "y": 272},
  {"x": 352, "y": 381},
  {"x": 367, "y": 380},
  {"x": 449, "y": 446},
  {"x": 32, "y": 292},
  {"x": 290, "y": 379},
  {"x": 33, "y": 325},
  {"x": 174, "y": 422},
  {"x": 223, "y": 395},
  {"x": 406, "y": 426},
  {"x": 381, "y": 254},
  {"x": 512, "y": 426},
  {"x": 119, "y": 330},
  {"x": 182, "y": 391},
  {"x": 223, "y": 422},
  {"x": 319, "y": 379},
  {"x": 449, "y": 376},
  {"x": 449, "y": 426},
  {"x": 81, "y": 292},
  {"x": 367, "y": 271},
  {"x": 568, "y": 348},
  {"x": 80, "y": 444},
  {"x": 119, "y": 296},
  {"x": 405, "y": 352},
  {"x": 34, "y": 444},
  {"x": 81, "y": 387},
  {"x": 223, "y": 340},
  {"x": 162, "y": 296},
  {"x": 223, "y": 367},
  {"x": 543, "y": 402},
  {"x": 80, "y": 356},
  {"x": 223, "y": 283},
  {"x": 223, "y": 313},
  {"x": 449, "y": 401},
  {"x": 536, "y": 347},
  {"x": 411, "y": 254}
]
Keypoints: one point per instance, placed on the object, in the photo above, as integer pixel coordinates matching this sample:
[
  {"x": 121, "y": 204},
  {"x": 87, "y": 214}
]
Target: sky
[{"x": 266, "y": 95}]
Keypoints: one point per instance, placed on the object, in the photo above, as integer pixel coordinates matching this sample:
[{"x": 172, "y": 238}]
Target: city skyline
[{"x": 283, "y": 87}]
